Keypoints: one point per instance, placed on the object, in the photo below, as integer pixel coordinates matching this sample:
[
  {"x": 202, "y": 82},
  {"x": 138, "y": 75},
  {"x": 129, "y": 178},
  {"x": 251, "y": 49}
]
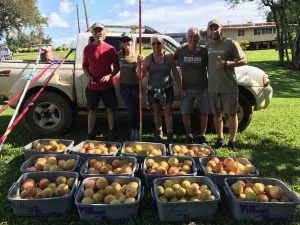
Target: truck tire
[
  {"x": 50, "y": 114},
  {"x": 244, "y": 112}
]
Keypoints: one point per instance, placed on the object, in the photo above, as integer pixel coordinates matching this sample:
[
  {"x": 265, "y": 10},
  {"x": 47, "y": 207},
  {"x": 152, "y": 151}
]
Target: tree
[
  {"x": 245, "y": 44},
  {"x": 285, "y": 14},
  {"x": 15, "y": 14}
]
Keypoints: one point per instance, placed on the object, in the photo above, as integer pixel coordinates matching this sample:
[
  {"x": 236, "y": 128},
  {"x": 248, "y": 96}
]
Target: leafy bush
[{"x": 245, "y": 44}]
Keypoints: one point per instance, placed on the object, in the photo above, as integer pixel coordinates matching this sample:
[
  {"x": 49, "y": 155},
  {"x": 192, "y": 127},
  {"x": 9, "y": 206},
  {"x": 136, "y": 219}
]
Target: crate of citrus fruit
[
  {"x": 141, "y": 150},
  {"x": 260, "y": 199}
]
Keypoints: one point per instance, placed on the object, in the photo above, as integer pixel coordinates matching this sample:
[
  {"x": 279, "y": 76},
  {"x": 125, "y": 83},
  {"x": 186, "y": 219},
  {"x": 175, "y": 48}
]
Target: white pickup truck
[{"x": 64, "y": 97}]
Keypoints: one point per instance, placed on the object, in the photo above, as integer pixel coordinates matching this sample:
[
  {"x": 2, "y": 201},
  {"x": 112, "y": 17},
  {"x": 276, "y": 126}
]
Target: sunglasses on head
[
  {"x": 156, "y": 43},
  {"x": 124, "y": 40}
]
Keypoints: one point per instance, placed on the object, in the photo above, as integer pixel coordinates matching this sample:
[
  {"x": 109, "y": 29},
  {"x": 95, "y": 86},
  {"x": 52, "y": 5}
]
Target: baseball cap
[
  {"x": 98, "y": 25},
  {"x": 214, "y": 21},
  {"x": 126, "y": 36}
]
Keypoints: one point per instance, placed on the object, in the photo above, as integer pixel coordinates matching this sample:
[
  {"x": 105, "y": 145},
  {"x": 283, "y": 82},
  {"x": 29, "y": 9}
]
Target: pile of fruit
[
  {"x": 45, "y": 188},
  {"x": 102, "y": 148},
  {"x": 52, "y": 163},
  {"x": 193, "y": 150},
  {"x": 51, "y": 146},
  {"x": 259, "y": 192},
  {"x": 137, "y": 149},
  {"x": 117, "y": 166},
  {"x": 172, "y": 191},
  {"x": 99, "y": 191},
  {"x": 172, "y": 166},
  {"x": 228, "y": 166}
]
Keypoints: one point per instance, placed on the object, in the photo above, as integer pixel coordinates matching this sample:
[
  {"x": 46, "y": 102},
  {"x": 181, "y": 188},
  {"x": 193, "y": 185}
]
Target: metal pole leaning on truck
[
  {"x": 25, "y": 110},
  {"x": 140, "y": 71},
  {"x": 31, "y": 83}
]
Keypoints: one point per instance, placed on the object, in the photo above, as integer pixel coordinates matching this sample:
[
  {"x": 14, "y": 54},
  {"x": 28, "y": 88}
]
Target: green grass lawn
[{"x": 271, "y": 143}]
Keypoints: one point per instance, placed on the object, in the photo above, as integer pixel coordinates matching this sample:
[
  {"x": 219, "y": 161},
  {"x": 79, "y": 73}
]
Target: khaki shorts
[{"x": 223, "y": 102}]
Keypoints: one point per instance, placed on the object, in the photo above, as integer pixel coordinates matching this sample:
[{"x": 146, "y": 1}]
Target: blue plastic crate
[
  {"x": 108, "y": 211},
  {"x": 29, "y": 151},
  {"x": 149, "y": 178},
  {"x": 217, "y": 178},
  {"x": 31, "y": 161},
  {"x": 109, "y": 159},
  {"x": 140, "y": 158},
  {"x": 261, "y": 211},
  {"x": 44, "y": 206},
  {"x": 85, "y": 156},
  {"x": 190, "y": 210}
]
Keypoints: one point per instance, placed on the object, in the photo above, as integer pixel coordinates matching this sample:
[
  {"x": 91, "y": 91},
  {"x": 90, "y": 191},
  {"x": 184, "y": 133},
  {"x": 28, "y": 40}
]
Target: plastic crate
[
  {"x": 108, "y": 211},
  {"x": 196, "y": 158},
  {"x": 29, "y": 151},
  {"x": 85, "y": 156},
  {"x": 150, "y": 177},
  {"x": 217, "y": 178},
  {"x": 140, "y": 158},
  {"x": 109, "y": 159},
  {"x": 261, "y": 211},
  {"x": 31, "y": 161},
  {"x": 191, "y": 210},
  {"x": 45, "y": 206}
]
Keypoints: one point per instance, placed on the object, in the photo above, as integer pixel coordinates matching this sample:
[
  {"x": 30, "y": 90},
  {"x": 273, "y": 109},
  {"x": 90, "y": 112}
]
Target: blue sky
[{"x": 165, "y": 16}]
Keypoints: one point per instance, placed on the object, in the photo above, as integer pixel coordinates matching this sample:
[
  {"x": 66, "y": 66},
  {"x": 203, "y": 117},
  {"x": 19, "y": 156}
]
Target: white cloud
[
  {"x": 189, "y": 1},
  {"x": 179, "y": 18},
  {"x": 65, "y": 7},
  {"x": 124, "y": 13},
  {"x": 129, "y": 2},
  {"x": 55, "y": 20}
]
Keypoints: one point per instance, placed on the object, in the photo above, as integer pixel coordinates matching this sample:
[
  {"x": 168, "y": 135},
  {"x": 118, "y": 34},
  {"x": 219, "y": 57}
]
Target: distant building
[{"x": 260, "y": 35}]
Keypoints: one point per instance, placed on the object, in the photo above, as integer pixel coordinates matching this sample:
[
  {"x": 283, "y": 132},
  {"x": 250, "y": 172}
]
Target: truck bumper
[{"x": 264, "y": 96}]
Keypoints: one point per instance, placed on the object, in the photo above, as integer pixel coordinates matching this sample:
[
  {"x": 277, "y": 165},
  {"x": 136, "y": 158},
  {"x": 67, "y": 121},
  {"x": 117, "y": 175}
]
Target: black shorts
[
  {"x": 108, "y": 97},
  {"x": 169, "y": 96}
]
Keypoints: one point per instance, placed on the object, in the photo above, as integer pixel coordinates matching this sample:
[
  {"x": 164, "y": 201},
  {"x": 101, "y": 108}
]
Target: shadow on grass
[{"x": 285, "y": 82}]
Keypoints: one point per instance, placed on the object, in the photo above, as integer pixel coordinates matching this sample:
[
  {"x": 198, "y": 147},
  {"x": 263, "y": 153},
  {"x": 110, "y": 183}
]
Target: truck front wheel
[
  {"x": 244, "y": 114},
  {"x": 50, "y": 114}
]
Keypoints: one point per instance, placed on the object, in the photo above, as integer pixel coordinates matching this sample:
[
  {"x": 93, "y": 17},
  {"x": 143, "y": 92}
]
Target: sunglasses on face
[{"x": 156, "y": 43}]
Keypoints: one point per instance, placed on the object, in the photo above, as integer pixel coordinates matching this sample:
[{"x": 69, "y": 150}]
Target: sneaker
[
  {"x": 158, "y": 136},
  {"x": 189, "y": 139},
  {"x": 233, "y": 145},
  {"x": 90, "y": 136},
  {"x": 201, "y": 140},
  {"x": 219, "y": 143},
  {"x": 170, "y": 137}
]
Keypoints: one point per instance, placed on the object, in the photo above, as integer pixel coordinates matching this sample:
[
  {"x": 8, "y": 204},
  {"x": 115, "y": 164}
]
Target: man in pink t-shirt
[{"x": 100, "y": 64}]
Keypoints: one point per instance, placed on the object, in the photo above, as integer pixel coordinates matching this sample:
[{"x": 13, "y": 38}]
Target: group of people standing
[{"x": 207, "y": 76}]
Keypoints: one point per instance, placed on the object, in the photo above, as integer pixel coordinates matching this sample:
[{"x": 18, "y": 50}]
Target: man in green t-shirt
[
  {"x": 223, "y": 55},
  {"x": 192, "y": 60}
]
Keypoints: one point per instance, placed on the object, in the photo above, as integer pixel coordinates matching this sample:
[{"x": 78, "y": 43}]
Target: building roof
[{"x": 248, "y": 25}]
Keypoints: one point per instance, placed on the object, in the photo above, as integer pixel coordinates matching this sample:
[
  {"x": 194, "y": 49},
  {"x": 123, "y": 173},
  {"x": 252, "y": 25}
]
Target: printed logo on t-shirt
[
  {"x": 187, "y": 59},
  {"x": 216, "y": 51}
]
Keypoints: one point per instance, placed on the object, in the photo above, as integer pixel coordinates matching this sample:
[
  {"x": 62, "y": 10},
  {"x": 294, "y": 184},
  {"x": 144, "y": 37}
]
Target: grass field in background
[{"x": 271, "y": 143}]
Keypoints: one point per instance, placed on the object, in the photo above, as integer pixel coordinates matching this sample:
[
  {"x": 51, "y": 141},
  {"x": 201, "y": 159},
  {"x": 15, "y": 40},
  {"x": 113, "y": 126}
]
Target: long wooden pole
[{"x": 140, "y": 71}]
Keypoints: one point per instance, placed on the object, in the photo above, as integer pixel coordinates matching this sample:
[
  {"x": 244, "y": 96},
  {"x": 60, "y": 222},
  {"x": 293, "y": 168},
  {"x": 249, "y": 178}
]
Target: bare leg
[
  {"x": 157, "y": 115},
  {"x": 203, "y": 123},
  {"x": 91, "y": 120},
  {"x": 218, "y": 121},
  {"x": 187, "y": 123},
  {"x": 233, "y": 125},
  {"x": 168, "y": 117},
  {"x": 110, "y": 118}
]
